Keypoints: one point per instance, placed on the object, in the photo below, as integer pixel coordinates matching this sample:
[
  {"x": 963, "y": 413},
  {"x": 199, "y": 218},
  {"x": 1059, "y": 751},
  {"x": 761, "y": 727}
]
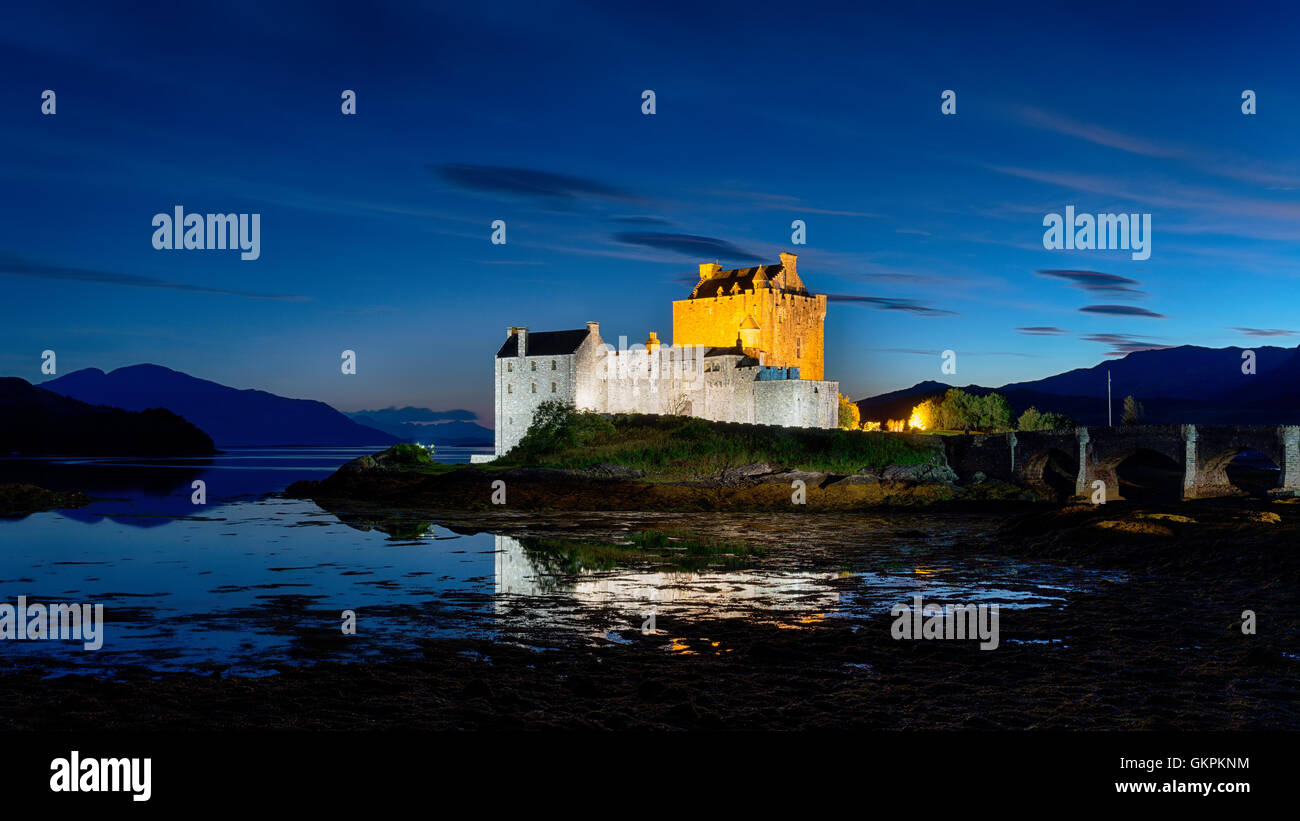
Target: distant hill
[
  {"x": 427, "y": 426},
  {"x": 232, "y": 417},
  {"x": 1187, "y": 384},
  {"x": 38, "y": 422}
]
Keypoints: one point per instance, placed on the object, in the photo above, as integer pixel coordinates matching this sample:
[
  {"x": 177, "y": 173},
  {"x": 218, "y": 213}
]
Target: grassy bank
[{"x": 678, "y": 447}]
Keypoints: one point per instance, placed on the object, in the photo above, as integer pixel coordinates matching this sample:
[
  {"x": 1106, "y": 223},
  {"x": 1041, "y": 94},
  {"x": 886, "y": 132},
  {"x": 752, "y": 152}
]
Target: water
[{"x": 250, "y": 582}]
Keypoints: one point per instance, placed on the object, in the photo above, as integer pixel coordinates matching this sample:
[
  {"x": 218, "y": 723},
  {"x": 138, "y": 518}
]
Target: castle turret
[
  {"x": 652, "y": 343},
  {"x": 749, "y": 334}
]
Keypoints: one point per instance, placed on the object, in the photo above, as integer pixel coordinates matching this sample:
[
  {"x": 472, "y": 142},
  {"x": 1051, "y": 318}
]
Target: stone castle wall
[{"x": 791, "y": 327}]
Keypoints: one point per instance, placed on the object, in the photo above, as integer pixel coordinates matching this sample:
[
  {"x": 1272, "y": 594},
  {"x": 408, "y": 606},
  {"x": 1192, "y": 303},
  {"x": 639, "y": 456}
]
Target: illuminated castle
[
  {"x": 747, "y": 347},
  {"x": 766, "y": 311}
]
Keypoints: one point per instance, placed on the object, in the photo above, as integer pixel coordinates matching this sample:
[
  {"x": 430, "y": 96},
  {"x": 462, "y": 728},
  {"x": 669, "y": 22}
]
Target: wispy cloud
[
  {"x": 527, "y": 182},
  {"x": 1265, "y": 332},
  {"x": 687, "y": 244},
  {"x": 924, "y": 352},
  {"x": 1096, "y": 281},
  {"x": 1122, "y": 344},
  {"x": 1042, "y": 330},
  {"x": 1120, "y": 310},
  {"x": 12, "y": 265},
  {"x": 890, "y": 304}
]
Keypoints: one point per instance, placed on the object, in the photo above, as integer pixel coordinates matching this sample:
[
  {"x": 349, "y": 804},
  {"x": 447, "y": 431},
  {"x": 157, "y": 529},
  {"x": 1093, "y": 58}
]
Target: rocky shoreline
[
  {"x": 612, "y": 487},
  {"x": 24, "y": 499}
]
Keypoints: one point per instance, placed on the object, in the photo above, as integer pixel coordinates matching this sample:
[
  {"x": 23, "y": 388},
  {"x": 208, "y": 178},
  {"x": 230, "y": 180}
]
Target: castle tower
[{"x": 789, "y": 322}]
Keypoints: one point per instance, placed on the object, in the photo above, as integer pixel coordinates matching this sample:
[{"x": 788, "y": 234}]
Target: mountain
[
  {"x": 1187, "y": 384},
  {"x": 232, "y": 417},
  {"x": 423, "y": 425},
  {"x": 38, "y": 422}
]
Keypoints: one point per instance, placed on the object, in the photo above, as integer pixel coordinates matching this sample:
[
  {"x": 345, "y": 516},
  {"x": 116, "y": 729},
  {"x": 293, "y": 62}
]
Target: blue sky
[{"x": 375, "y": 228}]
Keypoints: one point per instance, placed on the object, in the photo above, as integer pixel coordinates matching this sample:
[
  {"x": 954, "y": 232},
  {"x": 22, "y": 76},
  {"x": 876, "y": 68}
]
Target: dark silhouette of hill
[
  {"x": 1186, "y": 384},
  {"x": 231, "y": 416},
  {"x": 38, "y": 422}
]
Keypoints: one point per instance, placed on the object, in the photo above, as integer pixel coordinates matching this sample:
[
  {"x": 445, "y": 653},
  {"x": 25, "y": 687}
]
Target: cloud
[
  {"x": 922, "y": 352},
  {"x": 1120, "y": 310},
  {"x": 1096, "y": 281},
  {"x": 1123, "y": 344},
  {"x": 526, "y": 182},
  {"x": 1264, "y": 332},
  {"x": 687, "y": 244},
  {"x": 12, "y": 265},
  {"x": 888, "y": 304},
  {"x": 785, "y": 202},
  {"x": 1042, "y": 330},
  {"x": 643, "y": 220},
  {"x": 1096, "y": 134}
]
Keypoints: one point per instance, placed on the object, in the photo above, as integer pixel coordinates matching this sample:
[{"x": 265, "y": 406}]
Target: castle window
[
  {"x": 510, "y": 421},
  {"x": 552, "y": 364},
  {"x": 534, "y": 364},
  {"x": 510, "y": 388},
  {"x": 552, "y": 387},
  {"x": 534, "y": 387},
  {"x": 510, "y": 367}
]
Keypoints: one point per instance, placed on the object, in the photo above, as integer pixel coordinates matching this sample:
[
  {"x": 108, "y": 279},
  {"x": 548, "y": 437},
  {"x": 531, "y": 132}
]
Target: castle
[{"x": 747, "y": 347}]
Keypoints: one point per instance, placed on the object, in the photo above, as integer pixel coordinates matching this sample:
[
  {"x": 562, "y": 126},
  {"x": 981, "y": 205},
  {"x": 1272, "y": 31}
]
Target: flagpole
[{"x": 1110, "y": 421}]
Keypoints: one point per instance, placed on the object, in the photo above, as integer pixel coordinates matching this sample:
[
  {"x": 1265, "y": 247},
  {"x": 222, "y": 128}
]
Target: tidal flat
[{"x": 1117, "y": 616}]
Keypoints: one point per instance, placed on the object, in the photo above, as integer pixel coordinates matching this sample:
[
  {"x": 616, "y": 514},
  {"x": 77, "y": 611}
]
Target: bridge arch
[{"x": 1052, "y": 472}]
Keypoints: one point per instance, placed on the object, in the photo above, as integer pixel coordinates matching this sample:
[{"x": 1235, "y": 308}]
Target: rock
[
  {"x": 920, "y": 474},
  {"x": 366, "y": 464},
  {"x": 739, "y": 474},
  {"x": 977, "y": 477},
  {"x": 607, "y": 470}
]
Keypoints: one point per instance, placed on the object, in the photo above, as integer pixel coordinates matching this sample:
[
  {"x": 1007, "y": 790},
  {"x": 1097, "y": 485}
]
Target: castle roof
[
  {"x": 722, "y": 283},
  {"x": 545, "y": 343}
]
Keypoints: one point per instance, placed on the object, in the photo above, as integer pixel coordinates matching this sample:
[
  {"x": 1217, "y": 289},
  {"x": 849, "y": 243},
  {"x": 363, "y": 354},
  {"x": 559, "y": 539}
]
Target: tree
[
  {"x": 1033, "y": 419},
  {"x": 957, "y": 410},
  {"x": 992, "y": 412},
  {"x": 925, "y": 415},
  {"x": 850, "y": 416},
  {"x": 1133, "y": 411}
]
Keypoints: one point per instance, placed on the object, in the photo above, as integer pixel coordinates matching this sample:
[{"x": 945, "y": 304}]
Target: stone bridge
[{"x": 1201, "y": 452}]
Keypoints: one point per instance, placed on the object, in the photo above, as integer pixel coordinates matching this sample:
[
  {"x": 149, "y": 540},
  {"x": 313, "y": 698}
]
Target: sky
[{"x": 925, "y": 229}]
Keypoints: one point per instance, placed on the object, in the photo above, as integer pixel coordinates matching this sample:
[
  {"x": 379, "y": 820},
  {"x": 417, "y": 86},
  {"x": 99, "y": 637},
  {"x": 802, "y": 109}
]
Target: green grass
[{"x": 674, "y": 447}]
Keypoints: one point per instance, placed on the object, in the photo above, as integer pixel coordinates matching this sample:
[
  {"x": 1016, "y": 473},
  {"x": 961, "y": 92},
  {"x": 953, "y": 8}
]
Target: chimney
[
  {"x": 788, "y": 263},
  {"x": 708, "y": 270},
  {"x": 593, "y": 328},
  {"x": 522, "y": 333}
]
